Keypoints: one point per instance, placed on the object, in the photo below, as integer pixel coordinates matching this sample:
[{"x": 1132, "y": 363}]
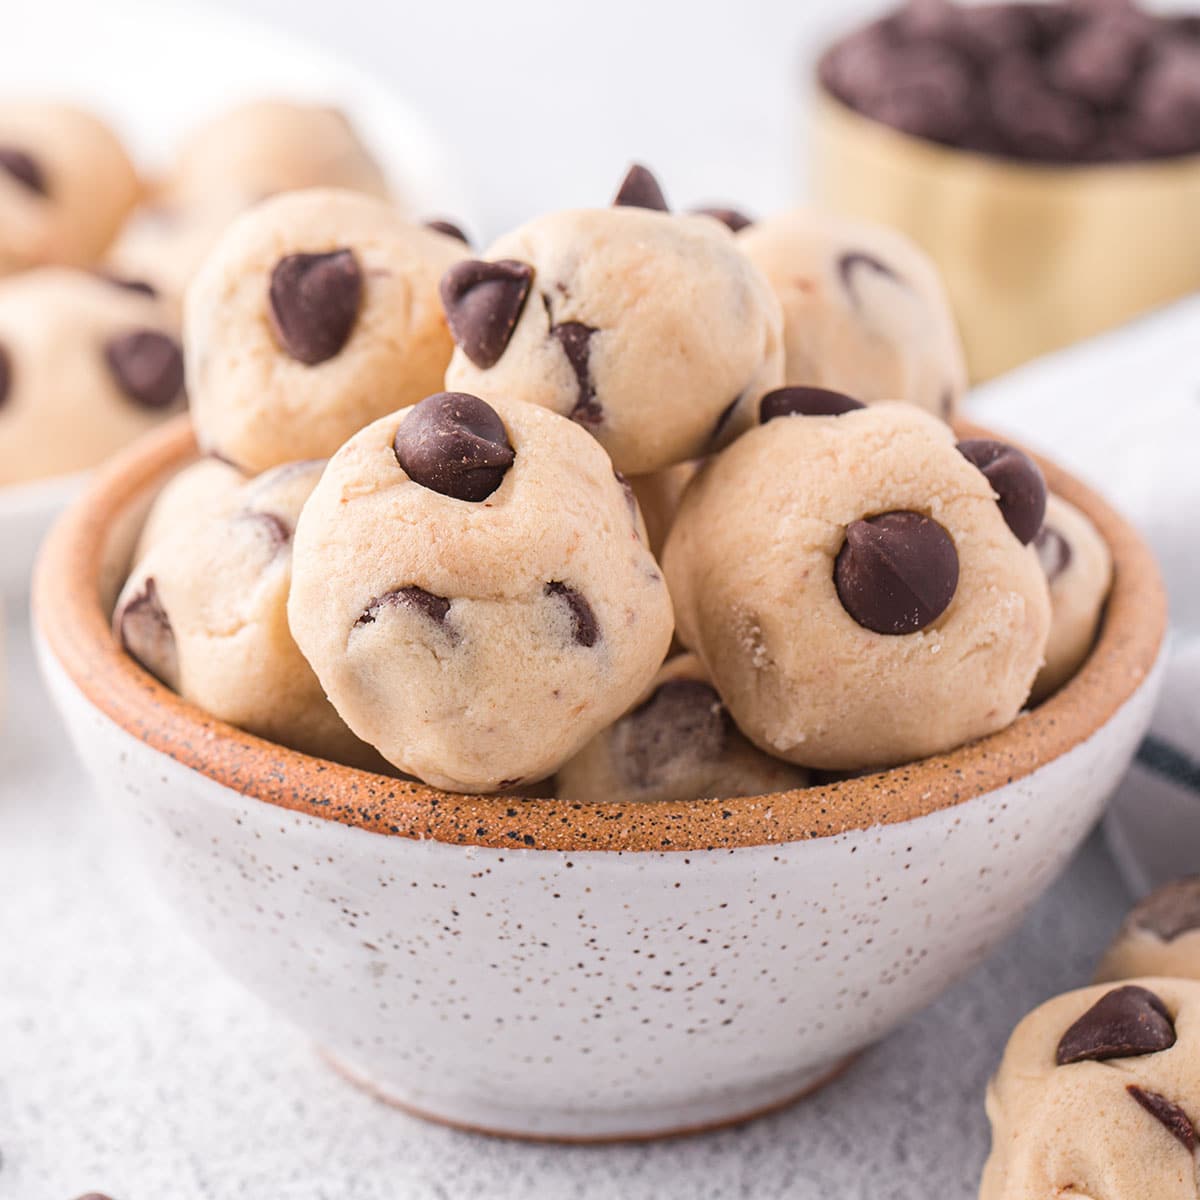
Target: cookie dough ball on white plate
[
  {"x": 860, "y": 588},
  {"x": 1078, "y": 568},
  {"x": 473, "y": 589},
  {"x": 66, "y": 185},
  {"x": 86, "y": 366},
  {"x": 316, "y": 313},
  {"x": 677, "y": 743},
  {"x": 268, "y": 146},
  {"x": 1161, "y": 936},
  {"x": 1098, "y": 1096},
  {"x": 864, "y": 310},
  {"x": 205, "y": 612},
  {"x": 203, "y": 489},
  {"x": 652, "y": 331}
]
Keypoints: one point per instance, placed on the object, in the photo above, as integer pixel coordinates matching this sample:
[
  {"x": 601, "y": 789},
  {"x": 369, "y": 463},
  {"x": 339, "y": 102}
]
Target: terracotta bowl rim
[
  {"x": 75, "y": 629},
  {"x": 1053, "y": 174}
]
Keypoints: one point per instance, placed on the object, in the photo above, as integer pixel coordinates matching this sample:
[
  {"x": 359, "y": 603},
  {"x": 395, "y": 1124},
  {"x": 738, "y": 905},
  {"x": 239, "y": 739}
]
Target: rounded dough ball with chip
[
  {"x": 864, "y": 310},
  {"x": 1098, "y": 1096},
  {"x": 66, "y": 184},
  {"x": 1161, "y": 936},
  {"x": 481, "y": 611},
  {"x": 316, "y": 313},
  {"x": 269, "y": 146},
  {"x": 651, "y": 330},
  {"x": 807, "y": 519},
  {"x": 205, "y": 611},
  {"x": 85, "y": 367},
  {"x": 1078, "y": 567},
  {"x": 677, "y": 743}
]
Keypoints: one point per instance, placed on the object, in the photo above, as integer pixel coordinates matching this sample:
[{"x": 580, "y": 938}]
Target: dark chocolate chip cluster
[{"x": 1063, "y": 83}]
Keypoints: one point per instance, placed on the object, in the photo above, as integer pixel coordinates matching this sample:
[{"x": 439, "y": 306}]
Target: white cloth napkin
[{"x": 1123, "y": 412}]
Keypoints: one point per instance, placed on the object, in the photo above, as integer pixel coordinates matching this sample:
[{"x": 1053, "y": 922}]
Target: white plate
[{"x": 156, "y": 69}]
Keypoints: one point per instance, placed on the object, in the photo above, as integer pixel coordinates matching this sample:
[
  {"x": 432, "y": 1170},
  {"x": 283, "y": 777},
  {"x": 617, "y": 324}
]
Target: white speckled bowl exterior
[{"x": 567, "y": 992}]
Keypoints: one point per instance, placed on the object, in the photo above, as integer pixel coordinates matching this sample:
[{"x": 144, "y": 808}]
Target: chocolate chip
[
  {"x": 683, "y": 718},
  {"x": 483, "y": 301},
  {"x": 1178, "y": 1123},
  {"x": 1125, "y": 1023},
  {"x": 726, "y": 416},
  {"x": 730, "y": 217},
  {"x": 454, "y": 444},
  {"x": 897, "y": 572},
  {"x": 436, "y": 608},
  {"x": 147, "y": 366},
  {"x": 584, "y": 627},
  {"x": 1098, "y": 62},
  {"x": 314, "y": 303},
  {"x": 1053, "y": 551},
  {"x": 273, "y": 527},
  {"x": 1033, "y": 119},
  {"x": 575, "y": 339},
  {"x": 140, "y": 286},
  {"x": 639, "y": 189},
  {"x": 93, "y": 1196},
  {"x": 805, "y": 402},
  {"x": 144, "y": 630},
  {"x": 6, "y": 374},
  {"x": 855, "y": 261},
  {"x": 1017, "y": 481},
  {"x": 449, "y": 229},
  {"x": 24, "y": 168},
  {"x": 1171, "y": 911}
]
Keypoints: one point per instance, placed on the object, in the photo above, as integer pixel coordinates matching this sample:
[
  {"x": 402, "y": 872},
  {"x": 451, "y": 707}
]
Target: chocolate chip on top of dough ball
[
  {"x": 474, "y": 590},
  {"x": 1161, "y": 936},
  {"x": 316, "y": 313},
  {"x": 315, "y": 299},
  {"x": 1017, "y": 480},
  {"x": 849, "y": 582},
  {"x": 1098, "y": 1095},
  {"x": 650, "y": 329},
  {"x": 78, "y": 353},
  {"x": 864, "y": 311},
  {"x": 677, "y": 743}
]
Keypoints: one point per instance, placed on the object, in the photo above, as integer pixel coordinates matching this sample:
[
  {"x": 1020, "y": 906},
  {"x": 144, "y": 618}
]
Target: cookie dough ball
[
  {"x": 271, "y": 146},
  {"x": 1098, "y": 1096},
  {"x": 316, "y": 314},
  {"x": 652, "y": 331},
  {"x": 66, "y": 184},
  {"x": 857, "y": 587},
  {"x": 162, "y": 249},
  {"x": 473, "y": 588},
  {"x": 658, "y": 496},
  {"x": 203, "y": 489},
  {"x": 1161, "y": 936},
  {"x": 864, "y": 311},
  {"x": 677, "y": 743},
  {"x": 206, "y": 613},
  {"x": 86, "y": 366},
  {"x": 1078, "y": 568}
]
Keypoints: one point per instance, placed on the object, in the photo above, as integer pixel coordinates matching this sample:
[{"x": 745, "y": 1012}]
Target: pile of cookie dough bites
[
  {"x": 94, "y": 262},
  {"x": 622, "y": 433}
]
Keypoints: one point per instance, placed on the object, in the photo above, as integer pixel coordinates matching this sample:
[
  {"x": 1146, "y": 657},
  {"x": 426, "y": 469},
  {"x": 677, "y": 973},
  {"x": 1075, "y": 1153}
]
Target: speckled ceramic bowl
[{"x": 548, "y": 969}]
